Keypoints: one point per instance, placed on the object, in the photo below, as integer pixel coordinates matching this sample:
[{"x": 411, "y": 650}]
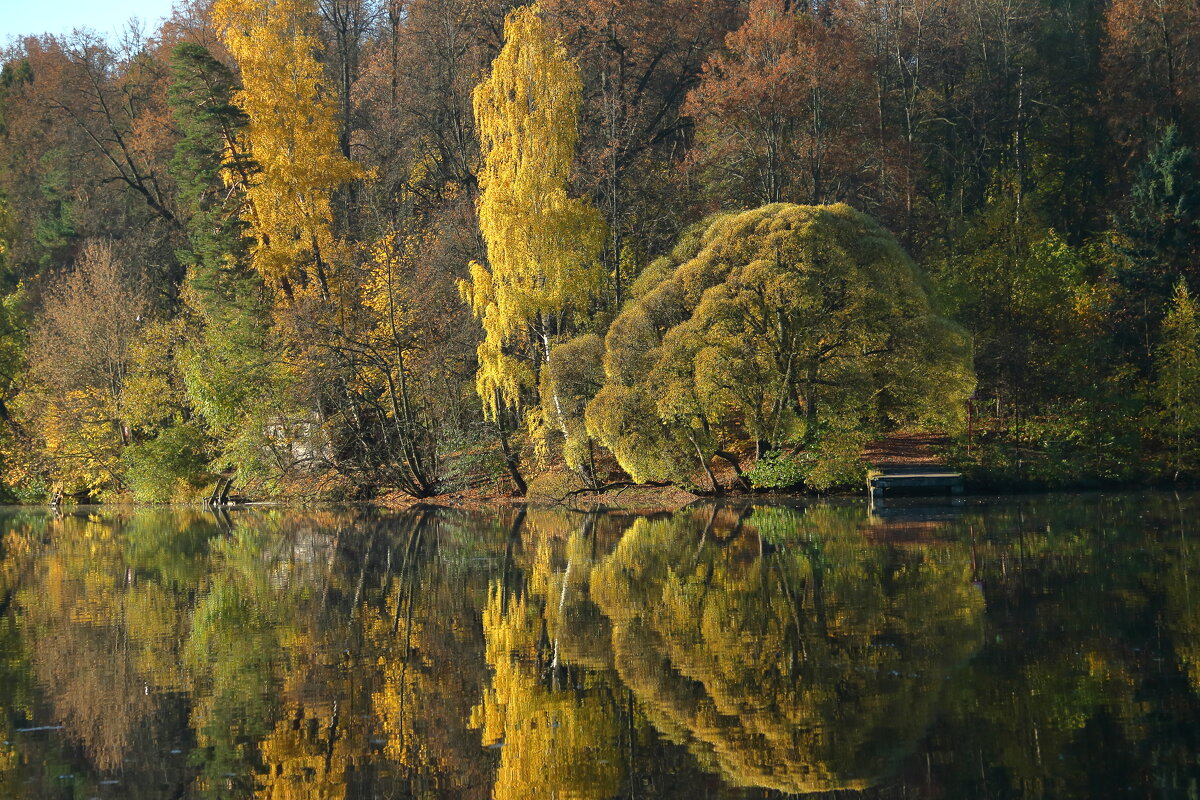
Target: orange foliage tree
[
  {"x": 780, "y": 114},
  {"x": 1151, "y": 60}
]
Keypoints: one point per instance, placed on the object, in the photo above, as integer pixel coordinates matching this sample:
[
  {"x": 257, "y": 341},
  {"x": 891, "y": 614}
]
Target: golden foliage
[
  {"x": 78, "y": 438},
  {"x": 292, "y": 136},
  {"x": 557, "y": 743},
  {"x": 541, "y": 243},
  {"x": 306, "y": 759},
  {"x": 152, "y": 394}
]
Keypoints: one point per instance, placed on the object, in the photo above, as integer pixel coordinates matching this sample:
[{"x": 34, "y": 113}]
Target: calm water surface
[{"x": 1037, "y": 647}]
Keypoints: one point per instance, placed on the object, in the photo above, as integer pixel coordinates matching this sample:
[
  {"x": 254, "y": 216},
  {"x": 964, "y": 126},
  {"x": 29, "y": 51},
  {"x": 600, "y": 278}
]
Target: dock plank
[{"x": 926, "y": 482}]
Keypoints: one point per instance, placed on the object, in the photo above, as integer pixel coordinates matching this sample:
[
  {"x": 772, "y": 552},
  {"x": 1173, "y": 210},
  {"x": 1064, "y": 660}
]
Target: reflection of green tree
[
  {"x": 323, "y": 654},
  {"x": 168, "y": 548},
  {"x": 813, "y": 667},
  {"x": 237, "y": 654},
  {"x": 1071, "y": 696}
]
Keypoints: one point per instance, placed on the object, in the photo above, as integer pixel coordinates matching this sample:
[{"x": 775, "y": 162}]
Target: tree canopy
[
  {"x": 774, "y": 327},
  {"x": 541, "y": 243}
]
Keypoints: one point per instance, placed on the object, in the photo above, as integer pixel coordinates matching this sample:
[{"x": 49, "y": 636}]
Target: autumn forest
[{"x": 342, "y": 249}]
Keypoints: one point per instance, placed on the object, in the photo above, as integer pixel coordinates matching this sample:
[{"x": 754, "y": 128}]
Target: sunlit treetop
[
  {"x": 292, "y": 136},
  {"x": 773, "y": 325}
]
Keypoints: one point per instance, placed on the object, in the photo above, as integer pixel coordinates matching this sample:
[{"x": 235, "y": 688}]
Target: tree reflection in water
[
  {"x": 783, "y": 648},
  {"x": 1035, "y": 649},
  {"x": 786, "y": 650}
]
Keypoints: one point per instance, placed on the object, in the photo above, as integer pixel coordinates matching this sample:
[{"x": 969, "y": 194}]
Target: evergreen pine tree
[
  {"x": 201, "y": 100},
  {"x": 225, "y": 364},
  {"x": 1161, "y": 235}
]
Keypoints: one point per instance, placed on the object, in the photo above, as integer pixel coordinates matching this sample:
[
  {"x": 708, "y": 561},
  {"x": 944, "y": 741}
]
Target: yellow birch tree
[
  {"x": 542, "y": 244},
  {"x": 292, "y": 136}
]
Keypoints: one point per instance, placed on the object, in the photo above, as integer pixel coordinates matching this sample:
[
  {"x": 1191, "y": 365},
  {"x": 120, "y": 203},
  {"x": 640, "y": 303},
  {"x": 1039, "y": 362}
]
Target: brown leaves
[
  {"x": 780, "y": 113},
  {"x": 88, "y": 323},
  {"x": 1151, "y": 60}
]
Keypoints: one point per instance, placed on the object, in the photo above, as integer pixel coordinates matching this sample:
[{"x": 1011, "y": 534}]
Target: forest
[{"x": 349, "y": 249}]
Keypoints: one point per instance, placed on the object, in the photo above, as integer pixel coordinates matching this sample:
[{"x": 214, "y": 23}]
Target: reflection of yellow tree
[
  {"x": 432, "y": 664},
  {"x": 559, "y": 579},
  {"x": 311, "y": 752},
  {"x": 813, "y": 668},
  {"x": 558, "y": 743}
]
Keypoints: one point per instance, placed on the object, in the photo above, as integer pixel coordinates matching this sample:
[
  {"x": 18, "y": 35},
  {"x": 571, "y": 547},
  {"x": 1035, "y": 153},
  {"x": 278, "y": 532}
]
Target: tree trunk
[
  {"x": 737, "y": 466},
  {"x": 510, "y": 457},
  {"x": 716, "y": 487},
  {"x": 810, "y": 405}
]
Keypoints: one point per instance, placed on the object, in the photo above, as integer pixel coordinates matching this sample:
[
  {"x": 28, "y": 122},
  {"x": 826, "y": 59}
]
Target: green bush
[
  {"x": 469, "y": 458},
  {"x": 834, "y": 461},
  {"x": 780, "y": 470},
  {"x": 171, "y": 466},
  {"x": 35, "y": 490}
]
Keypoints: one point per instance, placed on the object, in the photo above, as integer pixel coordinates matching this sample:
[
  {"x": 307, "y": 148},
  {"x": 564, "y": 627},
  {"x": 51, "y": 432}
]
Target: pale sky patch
[{"x": 106, "y": 17}]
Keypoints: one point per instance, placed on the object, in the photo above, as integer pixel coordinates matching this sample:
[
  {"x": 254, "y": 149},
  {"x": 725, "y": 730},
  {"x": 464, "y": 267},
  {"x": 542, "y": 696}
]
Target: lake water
[{"x": 1024, "y": 647}]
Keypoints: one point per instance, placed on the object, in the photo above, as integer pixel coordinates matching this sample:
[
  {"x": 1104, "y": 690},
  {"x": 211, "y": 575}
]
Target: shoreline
[{"x": 634, "y": 499}]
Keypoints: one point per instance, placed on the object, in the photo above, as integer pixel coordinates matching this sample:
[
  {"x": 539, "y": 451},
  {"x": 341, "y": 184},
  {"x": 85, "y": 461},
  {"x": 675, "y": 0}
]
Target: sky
[{"x": 107, "y": 17}]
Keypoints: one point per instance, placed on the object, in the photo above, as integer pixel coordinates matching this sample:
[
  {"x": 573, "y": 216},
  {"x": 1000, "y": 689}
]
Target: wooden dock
[{"x": 913, "y": 483}]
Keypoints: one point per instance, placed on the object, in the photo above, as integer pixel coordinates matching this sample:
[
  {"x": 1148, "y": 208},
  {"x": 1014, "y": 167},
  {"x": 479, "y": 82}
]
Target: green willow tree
[
  {"x": 783, "y": 328},
  {"x": 542, "y": 244}
]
